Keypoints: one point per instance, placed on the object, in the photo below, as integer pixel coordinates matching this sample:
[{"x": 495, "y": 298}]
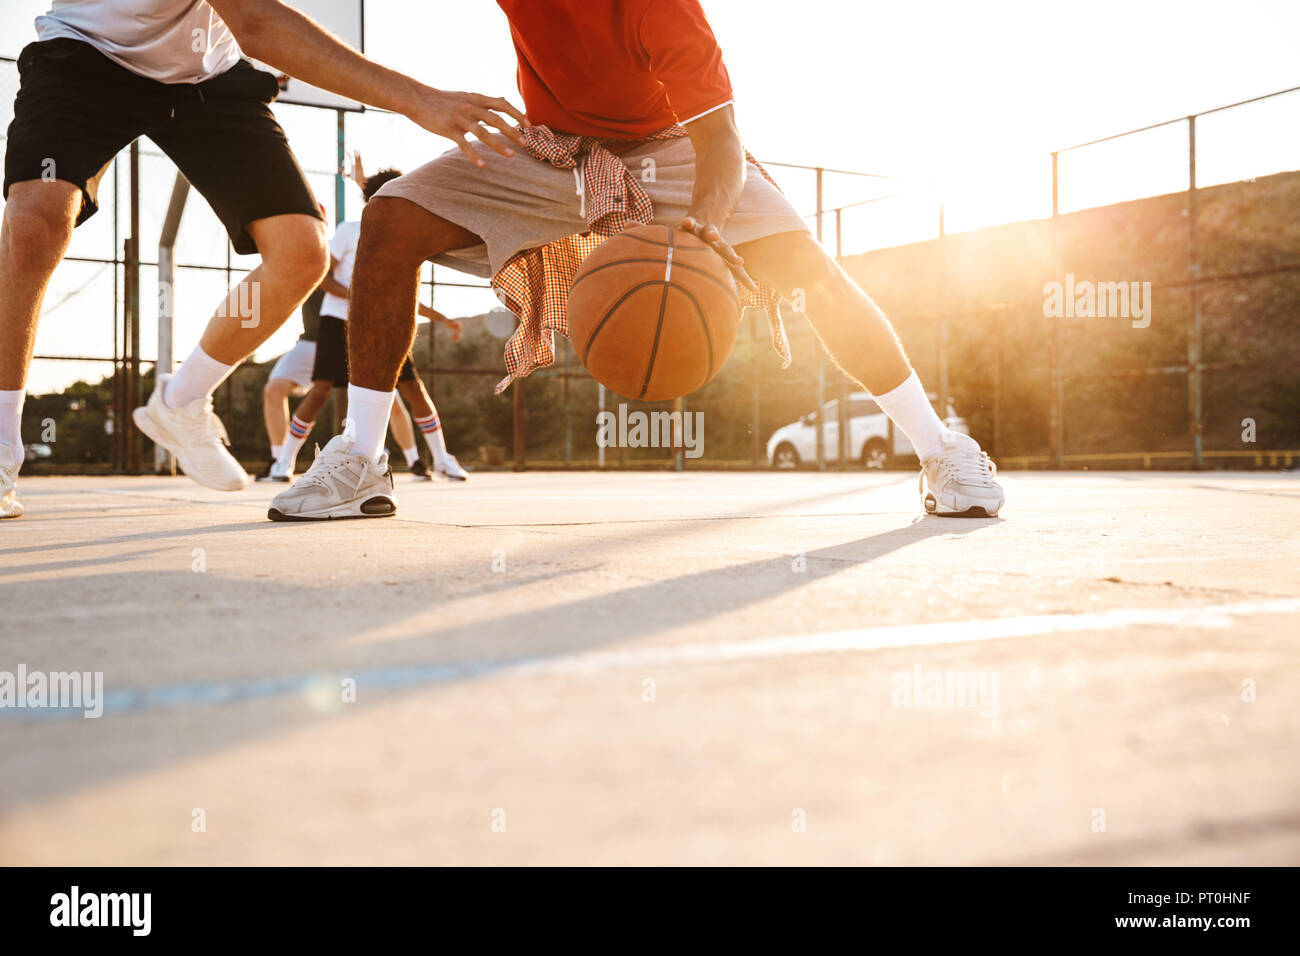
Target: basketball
[{"x": 653, "y": 313}]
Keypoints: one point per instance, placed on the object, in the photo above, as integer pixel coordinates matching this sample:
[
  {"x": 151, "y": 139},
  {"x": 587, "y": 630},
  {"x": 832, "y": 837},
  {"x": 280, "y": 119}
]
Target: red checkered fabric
[{"x": 535, "y": 283}]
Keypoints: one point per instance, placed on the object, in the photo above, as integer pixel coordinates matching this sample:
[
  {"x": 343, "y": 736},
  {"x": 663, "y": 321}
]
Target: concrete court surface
[{"x": 660, "y": 668}]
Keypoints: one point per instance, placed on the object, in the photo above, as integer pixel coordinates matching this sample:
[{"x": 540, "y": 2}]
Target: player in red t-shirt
[{"x": 623, "y": 73}]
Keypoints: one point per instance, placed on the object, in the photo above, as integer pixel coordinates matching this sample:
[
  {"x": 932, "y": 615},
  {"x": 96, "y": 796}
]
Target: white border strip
[{"x": 914, "y": 635}]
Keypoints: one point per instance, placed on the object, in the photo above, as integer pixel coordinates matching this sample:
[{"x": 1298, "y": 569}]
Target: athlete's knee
[
  {"x": 38, "y": 224},
  {"x": 795, "y": 264},
  {"x": 811, "y": 266},
  {"x": 297, "y": 253},
  {"x": 278, "y": 388},
  {"x": 398, "y": 232}
]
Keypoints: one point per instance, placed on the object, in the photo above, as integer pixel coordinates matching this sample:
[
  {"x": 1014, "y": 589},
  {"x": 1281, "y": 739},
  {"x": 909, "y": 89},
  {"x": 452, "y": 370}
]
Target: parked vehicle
[
  {"x": 34, "y": 452},
  {"x": 795, "y": 444}
]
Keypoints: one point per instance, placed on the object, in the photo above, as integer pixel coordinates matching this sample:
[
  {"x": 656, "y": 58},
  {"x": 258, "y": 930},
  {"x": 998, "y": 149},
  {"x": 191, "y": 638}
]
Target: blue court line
[{"x": 176, "y": 696}]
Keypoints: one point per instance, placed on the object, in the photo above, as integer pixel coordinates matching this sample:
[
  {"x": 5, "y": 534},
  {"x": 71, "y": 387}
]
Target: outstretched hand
[
  {"x": 712, "y": 236},
  {"x": 458, "y": 115}
]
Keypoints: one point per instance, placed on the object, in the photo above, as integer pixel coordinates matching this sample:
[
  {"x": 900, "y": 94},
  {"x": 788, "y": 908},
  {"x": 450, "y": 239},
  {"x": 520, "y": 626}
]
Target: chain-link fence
[{"x": 1038, "y": 391}]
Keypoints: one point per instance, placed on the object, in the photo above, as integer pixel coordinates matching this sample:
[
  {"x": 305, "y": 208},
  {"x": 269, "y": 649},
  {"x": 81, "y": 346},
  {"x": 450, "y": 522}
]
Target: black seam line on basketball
[
  {"x": 649, "y": 242},
  {"x": 704, "y": 325},
  {"x": 586, "y": 351},
  {"x": 654, "y": 348},
  {"x": 677, "y": 264},
  {"x": 659, "y": 327}
]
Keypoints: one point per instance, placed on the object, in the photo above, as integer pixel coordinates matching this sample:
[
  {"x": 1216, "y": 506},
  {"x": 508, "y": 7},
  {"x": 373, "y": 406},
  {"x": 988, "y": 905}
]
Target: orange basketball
[{"x": 653, "y": 313}]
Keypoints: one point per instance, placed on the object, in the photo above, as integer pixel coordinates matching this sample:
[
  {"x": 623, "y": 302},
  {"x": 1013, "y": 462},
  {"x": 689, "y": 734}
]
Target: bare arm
[
  {"x": 269, "y": 31},
  {"x": 332, "y": 285},
  {"x": 435, "y": 316},
  {"x": 719, "y": 180}
]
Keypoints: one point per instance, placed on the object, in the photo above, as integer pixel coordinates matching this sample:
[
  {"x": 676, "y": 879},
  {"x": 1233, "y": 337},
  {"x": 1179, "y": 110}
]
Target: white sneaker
[
  {"x": 195, "y": 435},
  {"x": 11, "y": 503},
  {"x": 958, "y": 481},
  {"x": 338, "y": 484},
  {"x": 448, "y": 467}
]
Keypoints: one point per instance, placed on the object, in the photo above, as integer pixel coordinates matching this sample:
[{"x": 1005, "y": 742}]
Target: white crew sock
[
  {"x": 431, "y": 429},
  {"x": 293, "y": 441},
  {"x": 275, "y": 451},
  {"x": 11, "y": 421},
  {"x": 369, "y": 410},
  {"x": 198, "y": 377},
  {"x": 912, "y": 412},
  {"x": 412, "y": 455}
]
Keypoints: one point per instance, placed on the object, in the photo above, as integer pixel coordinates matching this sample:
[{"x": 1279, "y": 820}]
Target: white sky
[{"x": 960, "y": 99}]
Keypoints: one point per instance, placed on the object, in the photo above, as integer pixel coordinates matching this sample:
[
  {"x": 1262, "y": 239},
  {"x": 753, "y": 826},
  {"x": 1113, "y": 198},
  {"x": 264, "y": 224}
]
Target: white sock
[
  {"x": 275, "y": 451},
  {"x": 912, "y": 412},
  {"x": 369, "y": 410},
  {"x": 293, "y": 442},
  {"x": 431, "y": 429},
  {"x": 11, "y": 421},
  {"x": 412, "y": 455},
  {"x": 198, "y": 377}
]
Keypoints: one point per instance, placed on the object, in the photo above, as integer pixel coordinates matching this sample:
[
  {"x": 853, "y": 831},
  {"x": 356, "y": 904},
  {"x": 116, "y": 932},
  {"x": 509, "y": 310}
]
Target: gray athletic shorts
[
  {"x": 296, "y": 364},
  {"x": 517, "y": 203}
]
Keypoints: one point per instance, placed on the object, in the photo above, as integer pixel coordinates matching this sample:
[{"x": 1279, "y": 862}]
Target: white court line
[{"x": 915, "y": 635}]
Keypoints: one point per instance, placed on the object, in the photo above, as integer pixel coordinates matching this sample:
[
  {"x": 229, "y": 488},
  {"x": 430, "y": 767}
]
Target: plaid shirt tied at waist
[{"x": 535, "y": 283}]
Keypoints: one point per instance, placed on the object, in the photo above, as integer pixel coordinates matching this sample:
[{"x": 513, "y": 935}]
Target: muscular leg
[
  {"x": 854, "y": 330},
  {"x": 426, "y": 417},
  {"x": 294, "y": 260},
  {"x": 303, "y": 418},
  {"x": 38, "y": 222},
  {"x": 397, "y": 236},
  {"x": 399, "y": 422},
  {"x": 315, "y": 400},
  {"x": 413, "y": 391},
  {"x": 275, "y": 408}
]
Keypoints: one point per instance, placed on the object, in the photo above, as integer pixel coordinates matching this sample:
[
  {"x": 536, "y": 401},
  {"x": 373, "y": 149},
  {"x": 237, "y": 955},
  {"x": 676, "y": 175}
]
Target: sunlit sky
[{"x": 958, "y": 100}]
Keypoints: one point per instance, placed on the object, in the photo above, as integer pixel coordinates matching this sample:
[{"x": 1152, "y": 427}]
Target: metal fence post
[
  {"x": 1056, "y": 375},
  {"x": 842, "y": 405},
  {"x": 818, "y": 418},
  {"x": 340, "y": 194},
  {"x": 132, "y": 343},
  {"x": 1195, "y": 411},
  {"x": 940, "y": 291},
  {"x": 162, "y": 459}
]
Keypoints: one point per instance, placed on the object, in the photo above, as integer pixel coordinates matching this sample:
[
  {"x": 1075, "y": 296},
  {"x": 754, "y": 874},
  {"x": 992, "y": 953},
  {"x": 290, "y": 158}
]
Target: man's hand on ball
[
  {"x": 453, "y": 326},
  {"x": 712, "y": 236},
  {"x": 457, "y": 115}
]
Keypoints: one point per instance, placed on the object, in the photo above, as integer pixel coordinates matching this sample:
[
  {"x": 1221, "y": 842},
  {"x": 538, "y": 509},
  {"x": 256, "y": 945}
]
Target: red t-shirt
[{"x": 618, "y": 69}]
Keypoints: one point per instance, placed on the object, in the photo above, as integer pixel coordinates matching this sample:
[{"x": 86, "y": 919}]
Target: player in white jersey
[{"x": 103, "y": 72}]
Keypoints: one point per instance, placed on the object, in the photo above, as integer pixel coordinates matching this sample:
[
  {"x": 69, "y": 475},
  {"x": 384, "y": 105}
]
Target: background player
[{"x": 331, "y": 366}]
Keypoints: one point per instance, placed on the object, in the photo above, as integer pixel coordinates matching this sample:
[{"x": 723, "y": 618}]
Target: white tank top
[{"x": 172, "y": 41}]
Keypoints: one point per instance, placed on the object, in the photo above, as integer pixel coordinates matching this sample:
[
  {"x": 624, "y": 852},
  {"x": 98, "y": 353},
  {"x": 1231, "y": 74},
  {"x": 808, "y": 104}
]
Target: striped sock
[
  {"x": 298, "y": 432},
  {"x": 431, "y": 428}
]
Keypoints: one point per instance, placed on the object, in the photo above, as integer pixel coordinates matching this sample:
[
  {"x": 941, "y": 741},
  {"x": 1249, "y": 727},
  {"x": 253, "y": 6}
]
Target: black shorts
[
  {"x": 76, "y": 109},
  {"x": 332, "y": 354}
]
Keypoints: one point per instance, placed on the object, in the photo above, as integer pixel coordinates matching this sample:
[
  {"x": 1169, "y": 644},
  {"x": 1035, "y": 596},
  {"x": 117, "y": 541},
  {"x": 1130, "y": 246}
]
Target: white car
[{"x": 792, "y": 445}]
